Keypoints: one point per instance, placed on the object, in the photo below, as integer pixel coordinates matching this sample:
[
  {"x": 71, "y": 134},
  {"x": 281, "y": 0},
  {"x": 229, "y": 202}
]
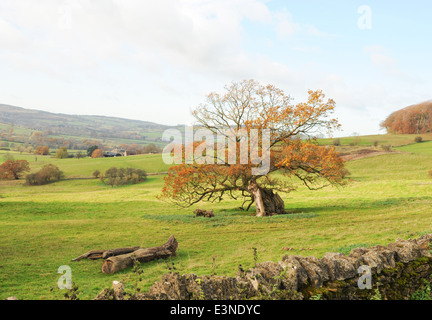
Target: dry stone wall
[{"x": 397, "y": 272}]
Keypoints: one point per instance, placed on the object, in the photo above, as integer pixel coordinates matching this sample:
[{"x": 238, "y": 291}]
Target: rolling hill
[{"x": 114, "y": 131}]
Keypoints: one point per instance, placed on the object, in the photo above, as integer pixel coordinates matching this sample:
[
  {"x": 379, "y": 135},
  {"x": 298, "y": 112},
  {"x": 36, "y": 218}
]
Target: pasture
[{"x": 389, "y": 196}]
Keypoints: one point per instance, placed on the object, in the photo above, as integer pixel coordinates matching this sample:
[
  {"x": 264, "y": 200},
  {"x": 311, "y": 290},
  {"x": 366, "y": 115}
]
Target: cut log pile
[{"x": 122, "y": 258}]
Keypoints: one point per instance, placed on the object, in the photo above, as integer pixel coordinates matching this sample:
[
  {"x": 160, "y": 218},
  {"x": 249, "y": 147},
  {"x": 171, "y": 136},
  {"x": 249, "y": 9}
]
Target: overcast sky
[{"x": 156, "y": 60}]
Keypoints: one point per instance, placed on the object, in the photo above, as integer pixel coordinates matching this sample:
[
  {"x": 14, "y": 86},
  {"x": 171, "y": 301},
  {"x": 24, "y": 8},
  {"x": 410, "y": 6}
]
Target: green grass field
[
  {"x": 395, "y": 140},
  {"x": 422, "y": 148},
  {"x": 44, "y": 227}
]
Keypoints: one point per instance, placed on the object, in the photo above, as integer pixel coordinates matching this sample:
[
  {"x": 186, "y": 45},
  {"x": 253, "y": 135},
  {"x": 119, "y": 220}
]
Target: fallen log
[
  {"x": 117, "y": 252},
  {"x": 92, "y": 255},
  {"x": 103, "y": 254},
  {"x": 121, "y": 262}
]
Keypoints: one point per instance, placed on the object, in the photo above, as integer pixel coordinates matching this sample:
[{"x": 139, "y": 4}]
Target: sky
[{"x": 157, "y": 60}]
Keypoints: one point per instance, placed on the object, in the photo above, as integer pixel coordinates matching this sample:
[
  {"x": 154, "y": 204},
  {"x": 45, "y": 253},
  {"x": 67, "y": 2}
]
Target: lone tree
[
  {"x": 97, "y": 153},
  {"x": 91, "y": 149},
  {"x": 13, "y": 169},
  {"x": 49, "y": 173},
  {"x": 79, "y": 155},
  {"x": 42, "y": 150},
  {"x": 292, "y": 149},
  {"x": 62, "y": 153}
]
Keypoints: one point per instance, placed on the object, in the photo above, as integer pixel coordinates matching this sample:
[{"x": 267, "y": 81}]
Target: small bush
[
  {"x": 79, "y": 155},
  {"x": 357, "y": 141},
  {"x": 418, "y": 139},
  {"x": 375, "y": 143},
  {"x": 62, "y": 153},
  {"x": 386, "y": 147},
  {"x": 48, "y": 173},
  {"x": 96, "y": 174},
  {"x": 336, "y": 142}
]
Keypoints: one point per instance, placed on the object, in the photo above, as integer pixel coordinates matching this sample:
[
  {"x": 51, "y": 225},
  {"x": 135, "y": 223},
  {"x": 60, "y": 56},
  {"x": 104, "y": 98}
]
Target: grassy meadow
[
  {"x": 389, "y": 196},
  {"x": 395, "y": 140}
]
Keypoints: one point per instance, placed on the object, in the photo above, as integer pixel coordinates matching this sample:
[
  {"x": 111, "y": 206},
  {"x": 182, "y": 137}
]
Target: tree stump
[
  {"x": 204, "y": 213},
  {"x": 268, "y": 203}
]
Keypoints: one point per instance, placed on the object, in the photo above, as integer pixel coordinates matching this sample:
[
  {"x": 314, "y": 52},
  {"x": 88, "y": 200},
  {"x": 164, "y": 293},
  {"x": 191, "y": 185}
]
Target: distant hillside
[
  {"x": 111, "y": 130},
  {"x": 74, "y": 124},
  {"x": 415, "y": 119}
]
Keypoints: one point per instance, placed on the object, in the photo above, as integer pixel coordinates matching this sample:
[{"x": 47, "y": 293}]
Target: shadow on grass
[
  {"x": 359, "y": 204},
  {"x": 226, "y": 217}
]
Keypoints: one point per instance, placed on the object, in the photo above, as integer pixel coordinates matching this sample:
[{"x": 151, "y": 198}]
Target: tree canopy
[
  {"x": 91, "y": 149},
  {"x": 13, "y": 169},
  {"x": 97, "y": 153},
  {"x": 243, "y": 108},
  {"x": 416, "y": 119},
  {"x": 42, "y": 150},
  {"x": 47, "y": 174},
  {"x": 62, "y": 153}
]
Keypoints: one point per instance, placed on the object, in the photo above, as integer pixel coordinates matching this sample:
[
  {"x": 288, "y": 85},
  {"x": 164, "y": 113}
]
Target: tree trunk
[
  {"x": 121, "y": 262},
  {"x": 267, "y": 202},
  {"x": 273, "y": 203}
]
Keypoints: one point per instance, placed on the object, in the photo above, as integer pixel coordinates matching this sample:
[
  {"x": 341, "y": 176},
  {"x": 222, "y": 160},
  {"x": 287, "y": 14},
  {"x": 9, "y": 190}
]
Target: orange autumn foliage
[
  {"x": 246, "y": 106},
  {"x": 316, "y": 166},
  {"x": 13, "y": 169},
  {"x": 416, "y": 119},
  {"x": 97, "y": 153},
  {"x": 42, "y": 150}
]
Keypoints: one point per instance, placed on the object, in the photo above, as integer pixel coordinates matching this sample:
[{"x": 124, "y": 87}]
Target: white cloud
[
  {"x": 196, "y": 34},
  {"x": 314, "y": 31},
  {"x": 387, "y": 64},
  {"x": 285, "y": 25},
  {"x": 74, "y": 36},
  {"x": 156, "y": 59},
  {"x": 381, "y": 59}
]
